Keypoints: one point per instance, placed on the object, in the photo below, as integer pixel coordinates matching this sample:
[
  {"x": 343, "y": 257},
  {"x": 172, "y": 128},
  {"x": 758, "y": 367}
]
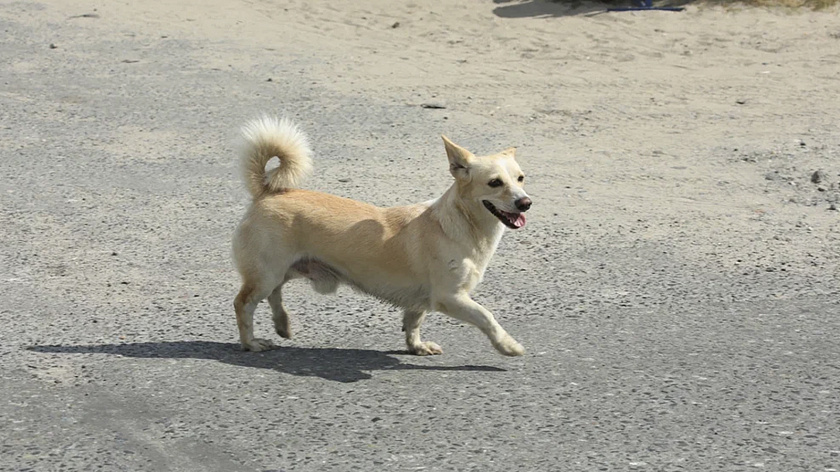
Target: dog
[{"x": 420, "y": 258}]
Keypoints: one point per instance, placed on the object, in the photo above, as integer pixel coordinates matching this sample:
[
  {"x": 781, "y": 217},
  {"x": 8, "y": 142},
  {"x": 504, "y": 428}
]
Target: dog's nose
[{"x": 523, "y": 204}]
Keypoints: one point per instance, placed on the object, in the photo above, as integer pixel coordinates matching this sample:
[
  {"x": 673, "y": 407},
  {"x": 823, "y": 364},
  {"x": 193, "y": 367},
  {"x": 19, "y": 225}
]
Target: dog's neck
[{"x": 460, "y": 216}]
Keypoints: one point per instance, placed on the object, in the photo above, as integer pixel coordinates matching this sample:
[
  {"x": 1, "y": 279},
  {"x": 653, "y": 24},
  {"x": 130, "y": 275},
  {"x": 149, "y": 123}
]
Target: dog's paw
[
  {"x": 509, "y": 347},
  {"x": 426, "y": 348},
  {"x": 257, "y": 345},
  {"x": 284, "y": 331}
]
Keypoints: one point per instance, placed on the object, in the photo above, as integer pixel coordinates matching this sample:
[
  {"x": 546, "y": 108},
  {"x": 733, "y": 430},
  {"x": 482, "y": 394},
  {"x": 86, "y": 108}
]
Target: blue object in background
[{"x": 646, "y": 5}]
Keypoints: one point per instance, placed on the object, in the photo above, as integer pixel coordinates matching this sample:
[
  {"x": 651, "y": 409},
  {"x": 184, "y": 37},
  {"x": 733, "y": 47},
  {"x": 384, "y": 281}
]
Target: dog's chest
[
  {"x": 469, "y": 266},
  {"x": 473, "y": 275},
  {"x": 480, "y": 259},
  {"x": 468, "y": 271}
]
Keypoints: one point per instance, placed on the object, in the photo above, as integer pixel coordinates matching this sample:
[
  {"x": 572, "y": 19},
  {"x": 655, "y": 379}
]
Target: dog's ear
[
  {"x": 459, "y": 159},
  {"x": 511, "y": 151}
]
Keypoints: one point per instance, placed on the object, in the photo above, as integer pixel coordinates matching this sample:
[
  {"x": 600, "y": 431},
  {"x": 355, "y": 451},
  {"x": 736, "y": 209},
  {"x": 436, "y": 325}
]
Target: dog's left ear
[
  {"x": 511, "y": 151},
  {"x": 459, "y": 159}
]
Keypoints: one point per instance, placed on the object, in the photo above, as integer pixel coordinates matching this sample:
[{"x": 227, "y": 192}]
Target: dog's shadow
[{"x": 338, "y": 365}]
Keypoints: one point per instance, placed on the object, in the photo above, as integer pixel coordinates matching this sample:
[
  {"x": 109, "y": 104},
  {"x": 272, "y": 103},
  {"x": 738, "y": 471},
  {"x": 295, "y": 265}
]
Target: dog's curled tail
[{"x": 269, "y": 137}]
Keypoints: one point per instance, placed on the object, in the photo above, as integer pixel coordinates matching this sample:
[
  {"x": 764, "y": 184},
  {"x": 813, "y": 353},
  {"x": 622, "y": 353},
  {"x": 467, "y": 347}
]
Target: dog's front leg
[
  {"x": 464, "y": 308},
  {"x": 411, "y": 326}
]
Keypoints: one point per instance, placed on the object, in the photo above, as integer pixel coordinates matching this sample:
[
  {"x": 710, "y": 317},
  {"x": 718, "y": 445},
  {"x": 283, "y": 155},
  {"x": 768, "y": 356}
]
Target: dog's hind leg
[
  {"x": 464, "y": 308},
  {"x": 411, "y": 325},
  {"x": 264, "y": 264},
  {"x": 279, "y": 314},
  {"x": 244, "y": 305}
]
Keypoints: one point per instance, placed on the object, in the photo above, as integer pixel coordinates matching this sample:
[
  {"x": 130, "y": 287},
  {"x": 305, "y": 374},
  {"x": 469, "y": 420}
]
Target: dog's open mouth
[{"x": 511, "y": 220}]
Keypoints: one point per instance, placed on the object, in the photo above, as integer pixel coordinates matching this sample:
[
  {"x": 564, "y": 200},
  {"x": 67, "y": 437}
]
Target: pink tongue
[{"x": 520, "y": 221}]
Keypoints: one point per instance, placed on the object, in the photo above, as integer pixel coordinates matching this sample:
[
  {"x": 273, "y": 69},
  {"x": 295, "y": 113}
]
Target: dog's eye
[
  {"x": 521, "y": 178},
  {"x": 495, "y": 183}
]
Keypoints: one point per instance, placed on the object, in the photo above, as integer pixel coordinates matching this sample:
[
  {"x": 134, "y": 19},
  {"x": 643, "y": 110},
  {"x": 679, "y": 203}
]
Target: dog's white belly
[
  {"x": 416, "y": 297},
  {"x": 326, "y": 278}
]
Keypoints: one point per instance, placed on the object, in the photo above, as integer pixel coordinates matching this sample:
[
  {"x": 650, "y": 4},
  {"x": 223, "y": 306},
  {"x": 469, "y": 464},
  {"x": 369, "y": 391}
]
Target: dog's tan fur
[{"x": 421, "y": 257}]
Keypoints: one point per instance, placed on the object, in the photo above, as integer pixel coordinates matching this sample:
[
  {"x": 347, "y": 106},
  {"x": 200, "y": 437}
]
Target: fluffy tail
[{"x": 269, "y": 137}]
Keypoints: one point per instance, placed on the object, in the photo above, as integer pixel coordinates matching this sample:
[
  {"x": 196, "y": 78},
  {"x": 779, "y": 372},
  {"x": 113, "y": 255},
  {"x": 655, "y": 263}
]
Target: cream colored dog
[{"x": 422, "y": 257}]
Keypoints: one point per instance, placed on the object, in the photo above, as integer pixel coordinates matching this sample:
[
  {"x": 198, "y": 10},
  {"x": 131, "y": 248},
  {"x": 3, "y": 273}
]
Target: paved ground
[{"x": 118, "y": 195}]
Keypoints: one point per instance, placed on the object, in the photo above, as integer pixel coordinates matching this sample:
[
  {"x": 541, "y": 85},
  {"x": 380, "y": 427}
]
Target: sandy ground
[
  {"x": 676, "y": 286},
  {"x": 714, "y": 118}
]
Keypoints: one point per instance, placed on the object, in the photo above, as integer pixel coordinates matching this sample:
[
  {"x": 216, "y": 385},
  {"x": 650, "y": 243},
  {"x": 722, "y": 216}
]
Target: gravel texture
[{"x": 678, "y": 294}]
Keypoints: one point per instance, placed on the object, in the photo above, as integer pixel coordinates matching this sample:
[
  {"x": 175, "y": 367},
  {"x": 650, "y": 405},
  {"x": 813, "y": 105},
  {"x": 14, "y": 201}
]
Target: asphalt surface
[{"x": 118, "y": 349}]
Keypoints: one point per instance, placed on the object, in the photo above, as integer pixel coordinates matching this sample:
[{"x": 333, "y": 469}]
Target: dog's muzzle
[{"x": 511, "y": 220}]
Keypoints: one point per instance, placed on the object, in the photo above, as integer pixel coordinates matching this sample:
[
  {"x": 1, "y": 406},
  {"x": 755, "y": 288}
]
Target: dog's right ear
[{"x": 459, "y": 159}]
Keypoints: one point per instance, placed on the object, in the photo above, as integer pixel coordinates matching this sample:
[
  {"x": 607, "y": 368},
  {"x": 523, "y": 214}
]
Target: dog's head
[{"x": 494, "y": 182}]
